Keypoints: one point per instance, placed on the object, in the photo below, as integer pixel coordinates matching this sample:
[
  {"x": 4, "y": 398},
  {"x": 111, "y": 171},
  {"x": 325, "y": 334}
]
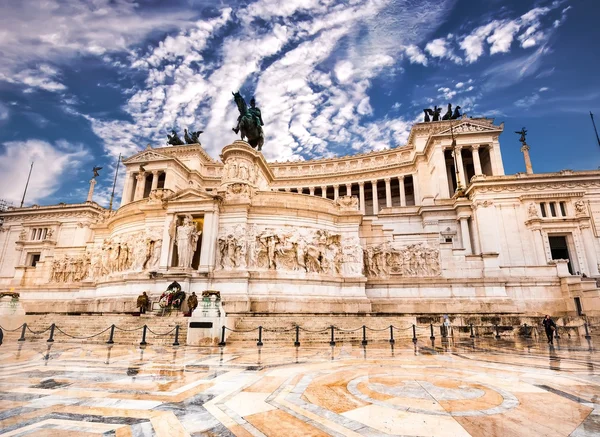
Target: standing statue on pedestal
[
  {"x": 186, "y": 239},
  {"x": 249, "y": 122}
]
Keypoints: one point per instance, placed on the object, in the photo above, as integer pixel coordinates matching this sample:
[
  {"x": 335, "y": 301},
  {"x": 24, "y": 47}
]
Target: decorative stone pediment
[
  {"x": 146, "y": 156},
  {"x": 189, "y": 194},
  {"x": 468, "y": 127}
]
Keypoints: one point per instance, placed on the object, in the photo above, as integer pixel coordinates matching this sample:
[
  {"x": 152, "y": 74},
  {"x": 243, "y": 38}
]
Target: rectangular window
[
  {"x": 563, "y": 209},
  {"x": 543, "y": 208},
  {"x": 552, "y": 209},
  {"x": 34, "y": 258}
]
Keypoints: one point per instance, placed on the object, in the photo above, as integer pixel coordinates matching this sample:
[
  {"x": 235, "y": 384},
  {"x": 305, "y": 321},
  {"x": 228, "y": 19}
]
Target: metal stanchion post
[
  {"x": 414, "y": 334},
  {"x": 112, "y": 334},
  {"x": 472, "y": 332},
  {"x": 51, "y": 338},
  {"x": 431, "y": 337},
  {"x": 392, "y": 341},
  {"x": 143, "y": 342},
  {"x": 176, "y": 342},
  {"x": 222, "y": 343},
  {"x": 497, "y": 332},
  {"x": 297, "y": 342},
  {"x": 332, "y": 342},
  {"x": 22, "y": 338},
  {"x": 587, "y": 332},
  {"x": 259, "y": 342},
  {"x": 364, "y": 340},
  {"x": 527, "y": 331}
]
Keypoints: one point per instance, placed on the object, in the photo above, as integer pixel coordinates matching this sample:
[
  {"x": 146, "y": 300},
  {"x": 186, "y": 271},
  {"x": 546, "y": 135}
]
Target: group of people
[{"x": 143, "y": 302}]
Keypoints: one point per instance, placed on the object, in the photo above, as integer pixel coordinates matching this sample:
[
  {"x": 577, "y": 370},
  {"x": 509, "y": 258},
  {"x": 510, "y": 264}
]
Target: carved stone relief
[
  {"x": 288, "y": 249},
  {"x": 138, "y": 251},
  {"x": 383, "y": 260}
]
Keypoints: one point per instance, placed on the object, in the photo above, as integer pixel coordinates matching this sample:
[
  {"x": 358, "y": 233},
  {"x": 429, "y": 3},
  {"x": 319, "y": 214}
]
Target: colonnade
[
  {"x": 334, "y": 191},
  {"x": 135, "y": 185}
]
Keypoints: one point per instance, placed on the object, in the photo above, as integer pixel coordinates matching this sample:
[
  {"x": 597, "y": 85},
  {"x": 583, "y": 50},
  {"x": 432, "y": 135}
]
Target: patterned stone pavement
[{"x": 478, "y": 388}]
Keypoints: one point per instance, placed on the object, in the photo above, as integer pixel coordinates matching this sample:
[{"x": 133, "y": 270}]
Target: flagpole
[
  {"x": 112, "y": 196},
  {"x": 595, "y": 130},
  {"x": 26, "y": 185}
]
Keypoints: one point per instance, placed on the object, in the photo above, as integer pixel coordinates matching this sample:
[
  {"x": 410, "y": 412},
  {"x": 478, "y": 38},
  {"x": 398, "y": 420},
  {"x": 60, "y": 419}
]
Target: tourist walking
[
  {"x": 142, "y": 302},
  {"x": 550, "y": 327}
]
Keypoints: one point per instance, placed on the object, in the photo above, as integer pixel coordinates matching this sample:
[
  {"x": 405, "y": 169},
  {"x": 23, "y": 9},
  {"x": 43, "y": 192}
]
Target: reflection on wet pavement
[{"x": 468, "y": 387}]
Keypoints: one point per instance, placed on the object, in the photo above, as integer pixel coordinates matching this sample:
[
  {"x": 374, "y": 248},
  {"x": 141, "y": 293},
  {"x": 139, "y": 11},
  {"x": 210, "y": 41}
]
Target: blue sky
[{"x": 82, "y": 81}]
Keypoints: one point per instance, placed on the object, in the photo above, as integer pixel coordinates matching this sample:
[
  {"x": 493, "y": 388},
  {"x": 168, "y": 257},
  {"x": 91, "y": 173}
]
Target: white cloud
[
  {"x": 460, "y": 85},
  {"x": 508, "y": 73},
  {"x": 473, "y": 43},
  {"x": 313, "y": 92},
  {"x": 4, "y": 112},
  {"x": 528, "y": 101},
  {"x": 56, "y": 31},
  {"x": 440, "y": 48},
  {"x": 543, "y": 89},
  {"x": 52, "y": 161},
  {"x": 446, "y": 93},
  {"x": 415, "y": 55}
]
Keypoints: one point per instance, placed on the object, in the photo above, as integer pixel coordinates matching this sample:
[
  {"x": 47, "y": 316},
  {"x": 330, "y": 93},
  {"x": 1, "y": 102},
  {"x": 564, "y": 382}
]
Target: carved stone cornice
[
  {"x": 53, "y": 212},
  {"x": 553, "y": 195}
]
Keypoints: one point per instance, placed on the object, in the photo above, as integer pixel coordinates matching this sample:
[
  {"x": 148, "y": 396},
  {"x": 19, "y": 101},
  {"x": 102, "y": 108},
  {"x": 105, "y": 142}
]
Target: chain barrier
[
  {"x": 312, "y": 331},
  {"x": 81, "y": 338},
  {"x": 279, "y": 330},
  {"x": 40, "y": 332},
  {"x": 11, "y": 330},
  {"x": 347, "y": 330},
  {"x": 380, "y": 330},
  {"x": 241, "y": 330},
  {"x": 158, "y": 335},
  {"x": 129, "y": 330}
]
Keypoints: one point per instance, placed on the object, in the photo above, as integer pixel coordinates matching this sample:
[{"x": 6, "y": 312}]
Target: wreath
[{"x": 172, "y": 298}]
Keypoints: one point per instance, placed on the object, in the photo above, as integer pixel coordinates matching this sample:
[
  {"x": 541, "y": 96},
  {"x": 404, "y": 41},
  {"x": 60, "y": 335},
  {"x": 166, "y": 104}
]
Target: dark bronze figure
[
  {"x": 96, "y": 170},
  {"x": 194, "y": 138},
  {"x": 174, "y": 139},
  {"x": 448, "y": 114},
  {"x": 456, "y": 115},
  {"x": 523, "y": 133},
  {"x": 249, "y": 122}
]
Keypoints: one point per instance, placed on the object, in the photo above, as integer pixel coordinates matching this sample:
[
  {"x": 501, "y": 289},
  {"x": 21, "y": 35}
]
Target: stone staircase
[{"x": 78, "y": 329}]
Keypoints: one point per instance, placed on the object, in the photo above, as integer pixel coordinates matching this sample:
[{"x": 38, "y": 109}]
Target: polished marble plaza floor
[{"x": 477, "y": 388}]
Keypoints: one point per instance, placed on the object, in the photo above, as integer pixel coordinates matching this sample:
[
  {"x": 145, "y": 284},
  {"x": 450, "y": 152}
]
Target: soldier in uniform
[
  {"x": 192, "y": 302},
  {"x": 142, "y": 302}
]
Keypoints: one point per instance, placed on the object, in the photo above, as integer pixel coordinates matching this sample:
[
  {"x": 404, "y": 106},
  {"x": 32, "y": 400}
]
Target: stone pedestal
[
  {"x": 206, "y": 323},
  {"x": 11, "y": 307}
]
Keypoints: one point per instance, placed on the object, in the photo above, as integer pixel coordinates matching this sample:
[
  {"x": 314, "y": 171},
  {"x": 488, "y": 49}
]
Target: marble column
[
  {"x": 154, "y": 180},
  {"x": 361, "y": 196},
  {"x": 402, "y": 191},
  {"x": 476, "y": 160},
  {"x": 461, "y": 167},
  {"x": 466, "y": 236},
  {"x": 208, "y": 246},
  {"x": 141, "y": 185},
  {"x": 416, "y": 192},
  {"x": 167, "y": 244},
  {"x": 127, "y": 187},
  {"x": 324, "y": 191},
  {"x": 476, "y": 244},
  {"x": 388, "y": 193},
  {"x": 590, "y": 251},
  {"x": 528, "y": 166},
  {"x": 91, "y": 190},
  {"x": 375, "y": 196},
  {"x": 311, "y": 191},
  {"x": 348, "y": 189},
  {"x": 336, "y": 192}
]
